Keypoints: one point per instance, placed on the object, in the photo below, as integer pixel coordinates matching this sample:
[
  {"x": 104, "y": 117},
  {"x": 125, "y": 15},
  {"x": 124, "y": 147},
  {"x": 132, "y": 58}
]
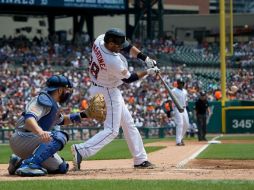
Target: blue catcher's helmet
[{"x": 57, "y": 81}]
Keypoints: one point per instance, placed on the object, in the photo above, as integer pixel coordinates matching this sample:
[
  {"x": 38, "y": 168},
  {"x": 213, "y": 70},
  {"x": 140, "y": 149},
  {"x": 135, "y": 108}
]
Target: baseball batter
[
  {"x": 34, "y": 141},
  {"x": 181, "y": 119},
  {"x": 109, "y": 69}
]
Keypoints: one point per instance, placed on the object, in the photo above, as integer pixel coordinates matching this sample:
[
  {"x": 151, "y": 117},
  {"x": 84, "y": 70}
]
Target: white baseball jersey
[
  {"x": 107, "y": 69},
  {"x": 181, "y": 119},
  {"x": 181, "y": 95}
]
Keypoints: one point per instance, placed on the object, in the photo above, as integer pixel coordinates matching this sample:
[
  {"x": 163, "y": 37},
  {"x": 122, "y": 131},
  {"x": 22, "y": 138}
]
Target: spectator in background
[
  {"x": 232, "y": 92},
  {"x": 202, "y": 109},
  {"x": 168, "y": 108},
  {"x": 217, "y": 95}
]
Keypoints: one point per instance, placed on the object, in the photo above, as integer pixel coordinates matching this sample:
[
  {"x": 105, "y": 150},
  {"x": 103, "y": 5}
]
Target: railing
[{"x": 87, "y": 132}]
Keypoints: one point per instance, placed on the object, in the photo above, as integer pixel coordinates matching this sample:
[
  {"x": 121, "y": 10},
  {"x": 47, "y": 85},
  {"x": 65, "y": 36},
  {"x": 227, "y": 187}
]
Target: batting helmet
[
  {"x": 116, "y": 36},
  {"x": 202, "y": 93},
  {"x": 180, "y": 81},
  {"x": 57, "y": 81}
]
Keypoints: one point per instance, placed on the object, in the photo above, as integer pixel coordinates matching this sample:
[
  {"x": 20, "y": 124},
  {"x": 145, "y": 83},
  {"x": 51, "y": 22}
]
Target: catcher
[{"x": 37, "y": 140}]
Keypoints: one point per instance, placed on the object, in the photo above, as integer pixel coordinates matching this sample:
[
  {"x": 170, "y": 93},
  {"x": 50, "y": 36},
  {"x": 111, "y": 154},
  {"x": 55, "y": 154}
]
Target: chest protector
[{"x": 47, "y": 121}]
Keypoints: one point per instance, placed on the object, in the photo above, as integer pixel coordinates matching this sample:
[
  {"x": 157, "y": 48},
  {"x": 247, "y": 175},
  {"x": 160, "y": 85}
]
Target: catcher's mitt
[{"x": 96, "y": 108}]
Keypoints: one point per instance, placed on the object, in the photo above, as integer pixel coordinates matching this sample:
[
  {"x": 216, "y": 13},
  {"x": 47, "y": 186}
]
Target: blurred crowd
[
  {"x": 26, "y": 64},
  {"x": 243, "y": 54}
]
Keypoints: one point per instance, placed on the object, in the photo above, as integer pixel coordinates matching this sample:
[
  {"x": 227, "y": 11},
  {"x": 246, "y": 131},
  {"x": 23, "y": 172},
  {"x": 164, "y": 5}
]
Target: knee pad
[{"x": 60, "y": 136}]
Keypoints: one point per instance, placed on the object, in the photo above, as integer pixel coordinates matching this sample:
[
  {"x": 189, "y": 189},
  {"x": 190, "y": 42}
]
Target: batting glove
[
  {"x": 150, "y": 62},
  {"x": 153, "y": 71}
]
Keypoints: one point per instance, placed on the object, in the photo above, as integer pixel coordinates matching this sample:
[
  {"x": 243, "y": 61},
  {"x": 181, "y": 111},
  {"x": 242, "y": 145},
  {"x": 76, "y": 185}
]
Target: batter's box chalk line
[{"x": 181, "y": 164}]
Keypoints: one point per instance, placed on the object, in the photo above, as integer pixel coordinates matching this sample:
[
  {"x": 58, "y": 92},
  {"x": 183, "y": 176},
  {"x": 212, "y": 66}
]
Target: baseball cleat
[
  {"x": 145, "y": 165},
  {"x": 27, "y": 171},
  {"x": 77, "y": 158},
  {"x": 14, "y": 163}
]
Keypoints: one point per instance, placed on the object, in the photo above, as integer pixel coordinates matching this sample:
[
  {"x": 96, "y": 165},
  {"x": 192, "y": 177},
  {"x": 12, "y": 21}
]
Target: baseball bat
[{"x": 174, "y": 99}]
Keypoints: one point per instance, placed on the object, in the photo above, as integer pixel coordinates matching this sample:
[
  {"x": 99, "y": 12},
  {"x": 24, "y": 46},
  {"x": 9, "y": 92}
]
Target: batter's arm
[
  {"x": 135, "y": 52},
  {"x": 135, "y": 76}
]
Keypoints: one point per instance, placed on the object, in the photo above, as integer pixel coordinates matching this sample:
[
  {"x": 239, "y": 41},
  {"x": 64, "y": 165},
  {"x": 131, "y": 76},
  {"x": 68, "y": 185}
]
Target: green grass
[
  {"x": 232, "y": 137},
  {"x": 117, "y": 149},
  {"x": 128, "y": 184},
  {"x": 228, "y": 151},
  {"x": 5, "y": 153}
]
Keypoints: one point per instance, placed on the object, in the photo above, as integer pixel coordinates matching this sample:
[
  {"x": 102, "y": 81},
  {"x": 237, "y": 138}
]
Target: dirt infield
[{"x": 167, "y": 167}]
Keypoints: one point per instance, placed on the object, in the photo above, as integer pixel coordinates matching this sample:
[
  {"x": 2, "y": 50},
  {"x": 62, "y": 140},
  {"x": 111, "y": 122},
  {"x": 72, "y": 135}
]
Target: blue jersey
[{"x": 44, "y": 109}]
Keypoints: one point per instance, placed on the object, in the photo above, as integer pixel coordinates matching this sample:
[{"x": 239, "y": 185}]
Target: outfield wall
[{"x": 237, "y": 117}]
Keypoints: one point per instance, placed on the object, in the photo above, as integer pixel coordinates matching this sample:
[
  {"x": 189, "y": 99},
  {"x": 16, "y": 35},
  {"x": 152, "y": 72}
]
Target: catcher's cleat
[
  {"x": 77, "y": 158},
  {"x": 145, "y": 165},
  {"x": 14, "y": 163},
  {"x": 31, "y": 170}
]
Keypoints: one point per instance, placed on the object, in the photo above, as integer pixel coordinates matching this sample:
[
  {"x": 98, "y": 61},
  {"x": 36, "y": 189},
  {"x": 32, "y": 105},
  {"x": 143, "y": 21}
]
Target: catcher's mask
[
  {"x": 116, "y": 36},
  {"x": 57, "y": 81}
]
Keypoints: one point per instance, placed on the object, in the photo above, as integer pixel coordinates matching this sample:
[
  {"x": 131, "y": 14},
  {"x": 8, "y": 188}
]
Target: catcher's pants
[
  {"x": 117, "y": 115},
  {"x": 23, "y": 144},
  {"x": 182, "y": 124}
]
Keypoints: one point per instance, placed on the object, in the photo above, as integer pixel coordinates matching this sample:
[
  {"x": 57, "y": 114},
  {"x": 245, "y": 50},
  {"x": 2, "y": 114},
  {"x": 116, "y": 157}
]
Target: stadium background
[{"x": 42, "y": 37}]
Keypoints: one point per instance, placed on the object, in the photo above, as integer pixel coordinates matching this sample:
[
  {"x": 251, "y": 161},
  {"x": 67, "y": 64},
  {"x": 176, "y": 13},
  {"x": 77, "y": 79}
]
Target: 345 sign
[{"x": 242, "y": 123}]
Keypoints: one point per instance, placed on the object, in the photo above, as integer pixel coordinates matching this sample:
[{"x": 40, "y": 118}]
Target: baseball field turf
[
  {"x": 117, "y": 149},
  {"x": 128, "y": 185}
]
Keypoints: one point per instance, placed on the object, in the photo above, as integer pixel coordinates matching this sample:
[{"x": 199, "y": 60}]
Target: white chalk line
[{"x": 195, "y": 154}]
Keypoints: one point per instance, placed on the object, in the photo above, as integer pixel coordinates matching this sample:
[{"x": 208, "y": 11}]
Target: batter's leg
[
  {"x": 133, "y": 137},
  {"x": 114, "y": 105}
]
